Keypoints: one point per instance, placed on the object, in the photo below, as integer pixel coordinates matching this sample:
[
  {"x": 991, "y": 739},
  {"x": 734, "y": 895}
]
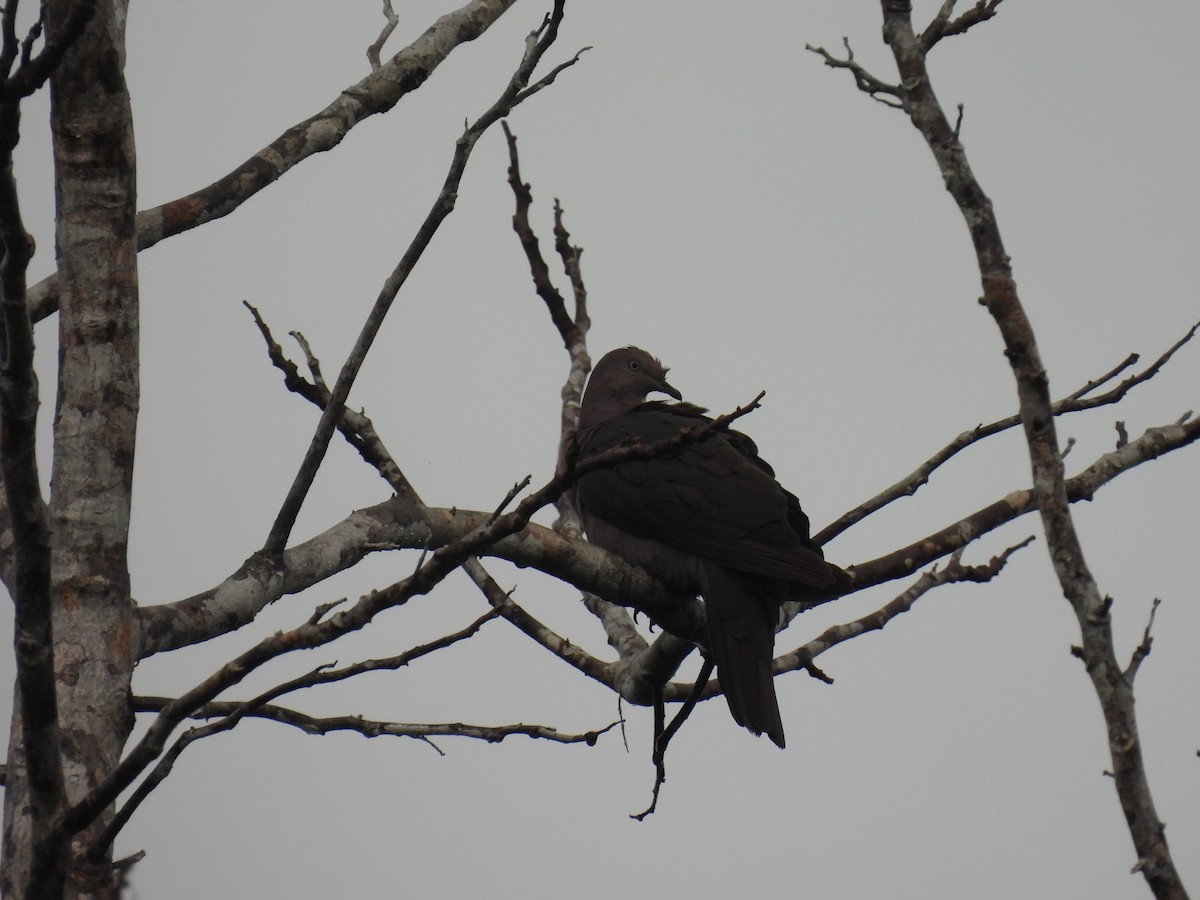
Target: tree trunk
[{"x": 94, "y": 428}]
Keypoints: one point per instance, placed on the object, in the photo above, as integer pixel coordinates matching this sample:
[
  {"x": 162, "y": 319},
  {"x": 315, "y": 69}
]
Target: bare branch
[
  {"x": 358, "y": 430},
  {"x": 1073, "y": 402},
  {"x": 570, "y": 256},
  {"x": 1151, "y": 445},
  {"x": 502, "y": 603},
  {"x": 1001, "y": 298},
  {"x": 370, "y": 728},
  {"x": 573, "y": 331},
  {"x": 509, "y": 497},
  {"x": 9, "y": 44},
  {"x": 310, "y": 360},
  {"x": 441, "y": 562},
  {"x": 664, "y": 733},
  {"x": 34, "y": 71},
  {"x": 934, "y": 29},
  {"x": 1143, "y": 648},
  {"x": 529, "y": 243},
  {"x": 376, "y": 47},
  {"x": 234, "y": 712},
  {"x": 361, "y": 434},
  {"x": 537, "y": 43},
  {"x": 952, "y": 573},
  {"x": 941, "y": 27},
  {"x": 550, "y": 77},
  {"x": 865, "y": 81},
  {"x": 29, "y": 517},
  {"x": 378, "y": 93}
]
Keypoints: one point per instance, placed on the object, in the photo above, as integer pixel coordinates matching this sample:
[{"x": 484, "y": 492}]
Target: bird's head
[{"x": 620, "y": 381}]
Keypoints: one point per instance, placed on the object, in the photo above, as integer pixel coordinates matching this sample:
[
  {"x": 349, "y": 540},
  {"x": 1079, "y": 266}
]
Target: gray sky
[{"x": 757, "y": 223}]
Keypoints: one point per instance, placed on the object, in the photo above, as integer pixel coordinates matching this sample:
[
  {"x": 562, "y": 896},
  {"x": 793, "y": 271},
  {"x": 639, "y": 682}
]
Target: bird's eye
[{"x": 635, "y": 365}]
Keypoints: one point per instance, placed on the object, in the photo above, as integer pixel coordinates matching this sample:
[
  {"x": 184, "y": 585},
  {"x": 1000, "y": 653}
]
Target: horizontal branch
[{"x": 373, "y": 728}]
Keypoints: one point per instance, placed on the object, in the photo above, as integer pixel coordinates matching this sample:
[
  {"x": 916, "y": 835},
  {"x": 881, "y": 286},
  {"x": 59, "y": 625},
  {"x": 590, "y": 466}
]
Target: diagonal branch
[
  {"x": 235, "y": 712},
  {"x": 377, "y": 93},
  {"x": 537, "y": 43},
  {"x": 538, "y": 268},
  {"x": 358, "y": 430},
  {"x": 34, "y": 71},
  {"x": 953, "y": 572},
  {"x": 1074, "y": 402},
  {"x": 942, "y": 26}
]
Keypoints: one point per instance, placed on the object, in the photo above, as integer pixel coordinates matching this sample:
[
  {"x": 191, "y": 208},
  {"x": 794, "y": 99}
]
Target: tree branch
[
  {"x": 1066, "y": 552},
  {"x": 313, "y": 634},
  {"x": 378, "y": 93},
  {"x": 30, "y": 571},
  {"x": 953, "y": 572},
  {"x": 233, "y": 712},
  {"x": 1143, "y": 649},
  {"x": 1075, "y": 402},
  {"x": 942, "y": 26},
  {"x": 545, "y": 288},
  {"x": 361, "y": 434},
  {"x": 864, "y": 80},
  {"x": 537, "y": 43},
  {"x": 618, "y": 624},
  {"x": 376, "y": 47}
]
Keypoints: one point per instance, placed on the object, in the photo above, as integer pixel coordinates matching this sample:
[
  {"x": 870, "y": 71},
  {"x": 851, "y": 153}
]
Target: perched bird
[{"x": 708, "y": 520}]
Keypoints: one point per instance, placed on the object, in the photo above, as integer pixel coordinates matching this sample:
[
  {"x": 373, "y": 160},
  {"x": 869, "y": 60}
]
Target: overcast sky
[{"x": 758, "y": 224}]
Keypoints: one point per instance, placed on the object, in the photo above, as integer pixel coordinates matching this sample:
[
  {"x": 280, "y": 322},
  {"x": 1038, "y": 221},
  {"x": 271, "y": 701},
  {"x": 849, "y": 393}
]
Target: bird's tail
[{"x": 743, "y": 611}]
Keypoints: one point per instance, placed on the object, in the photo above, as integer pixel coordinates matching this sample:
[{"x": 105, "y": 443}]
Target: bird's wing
[{"x": 716, "y": 499}]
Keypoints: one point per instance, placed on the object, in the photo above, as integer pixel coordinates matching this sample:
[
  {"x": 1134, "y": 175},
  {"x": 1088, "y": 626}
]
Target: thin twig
[
  {"x": 876, "y": 88},
  {"x": 663, "y": 734},
  {"x": 376, "y": 47},
  {"x": 1143, "y": 649}
]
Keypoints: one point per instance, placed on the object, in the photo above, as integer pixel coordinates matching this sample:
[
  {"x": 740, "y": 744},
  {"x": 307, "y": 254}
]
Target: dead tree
[{"x": 64, "y": 559}]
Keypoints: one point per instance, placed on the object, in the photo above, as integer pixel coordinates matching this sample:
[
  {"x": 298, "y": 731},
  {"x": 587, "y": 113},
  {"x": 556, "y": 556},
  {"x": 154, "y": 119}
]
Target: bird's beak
[{"x": 668, "y": 390}]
